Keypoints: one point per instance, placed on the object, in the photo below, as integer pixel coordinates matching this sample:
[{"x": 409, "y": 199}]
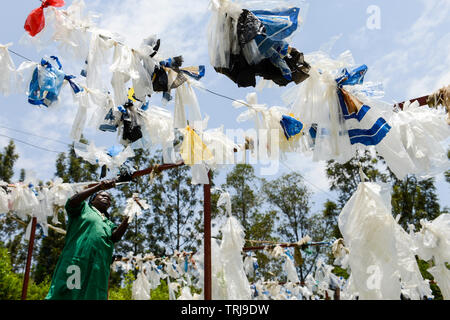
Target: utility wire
[
  {"x": 30, "y": 144},
  {"x": 35, "y": 135}
]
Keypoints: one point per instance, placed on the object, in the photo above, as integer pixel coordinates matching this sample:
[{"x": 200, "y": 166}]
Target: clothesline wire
[
  {"x": 30, "y": 144},
  {"x": 35, "y": 135},
  {"x": 19, "y": 55},
  {"x": 199, "y": 87},
  {"x": 234, "y": 100},
  {"x": 318, "y": 188},
  {"x": 223, "y": 96}
]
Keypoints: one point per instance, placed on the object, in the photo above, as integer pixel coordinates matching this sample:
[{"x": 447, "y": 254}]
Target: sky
[{"x": 407, "y": 49}]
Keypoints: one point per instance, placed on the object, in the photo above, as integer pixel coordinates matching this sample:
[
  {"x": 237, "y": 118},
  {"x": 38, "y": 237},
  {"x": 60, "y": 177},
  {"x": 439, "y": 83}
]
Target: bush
[
  {"x": 11, "y": 283},
  {"x": 125, "y": 293}
]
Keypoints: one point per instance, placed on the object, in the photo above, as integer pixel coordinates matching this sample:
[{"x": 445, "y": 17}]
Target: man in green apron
[{"x": 82, "y": 271}]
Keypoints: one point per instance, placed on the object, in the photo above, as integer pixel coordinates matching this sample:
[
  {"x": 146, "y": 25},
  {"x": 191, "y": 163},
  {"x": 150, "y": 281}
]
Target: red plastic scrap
[{"x": 36, "y": 19}]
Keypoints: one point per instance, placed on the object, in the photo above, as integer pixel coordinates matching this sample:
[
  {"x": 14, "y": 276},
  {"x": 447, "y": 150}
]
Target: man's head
[{"x": 101, "y": 201}]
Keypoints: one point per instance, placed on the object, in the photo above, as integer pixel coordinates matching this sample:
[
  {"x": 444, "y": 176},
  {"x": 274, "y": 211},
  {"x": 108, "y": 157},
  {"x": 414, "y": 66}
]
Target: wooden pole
[
  {"x": 422, "y": 102},
  {"x": 337, "y": 294},
  {"x": 207, "y": 239},
  {"x": 30, "y": 254}
]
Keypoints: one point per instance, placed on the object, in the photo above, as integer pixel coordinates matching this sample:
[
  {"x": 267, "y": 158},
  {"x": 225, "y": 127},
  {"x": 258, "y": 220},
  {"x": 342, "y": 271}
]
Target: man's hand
[{"x": 107, "y": 184}]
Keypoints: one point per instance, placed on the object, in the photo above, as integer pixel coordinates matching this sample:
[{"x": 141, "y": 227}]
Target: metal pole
[
  {"x": 30, "y": 254},
  {"x": 207, "y": 239}
]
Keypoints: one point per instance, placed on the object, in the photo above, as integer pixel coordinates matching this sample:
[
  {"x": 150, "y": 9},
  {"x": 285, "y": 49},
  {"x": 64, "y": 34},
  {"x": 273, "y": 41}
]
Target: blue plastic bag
[
  {"x": 47, "y": 81},
  {"x": 291, "y": 126},
  {"x": 279, "y": 25},
  {"x": 353, "y": 77}
]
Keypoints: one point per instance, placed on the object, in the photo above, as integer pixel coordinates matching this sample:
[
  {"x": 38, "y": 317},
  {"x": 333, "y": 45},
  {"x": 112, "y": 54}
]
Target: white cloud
[
  {"x": 434, "y": 13},
  {"x": 181, "y": 25},
  {"x": 420, "y": 62}
]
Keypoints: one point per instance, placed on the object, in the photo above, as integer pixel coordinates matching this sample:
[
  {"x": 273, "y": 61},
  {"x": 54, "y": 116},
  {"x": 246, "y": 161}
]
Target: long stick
[
  {"x": 289, "y": 245},
  {"x": 207, "y": 239},
  {"x": 30, "y": 253}
]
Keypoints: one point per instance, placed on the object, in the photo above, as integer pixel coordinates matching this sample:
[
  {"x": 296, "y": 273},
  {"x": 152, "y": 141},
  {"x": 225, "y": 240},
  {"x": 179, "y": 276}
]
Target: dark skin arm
[
  {"x": 120, "y": 231},
  {"x": 78, "y": 198}
]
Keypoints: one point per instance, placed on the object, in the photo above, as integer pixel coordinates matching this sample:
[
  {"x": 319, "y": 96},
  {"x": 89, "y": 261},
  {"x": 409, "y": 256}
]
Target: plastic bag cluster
[{"x": 244, "y": 44}]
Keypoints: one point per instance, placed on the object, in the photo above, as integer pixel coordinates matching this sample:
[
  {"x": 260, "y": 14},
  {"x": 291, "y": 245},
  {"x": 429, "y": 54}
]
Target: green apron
[{"x": 82, "y": 271}]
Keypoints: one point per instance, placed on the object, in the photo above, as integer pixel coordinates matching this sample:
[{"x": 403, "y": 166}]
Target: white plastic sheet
[
  {"x": 141, "y": 287},
  {"x": 421, "y": 131},
  {"x": 133, "y": 208},
  {"x": 98, "y": 56},
  {"x": 368, "y": 228},
  {"x": 7, "y": 71}
]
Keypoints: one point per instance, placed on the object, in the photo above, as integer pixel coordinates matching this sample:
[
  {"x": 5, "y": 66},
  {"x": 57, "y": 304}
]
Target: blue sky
[{"x": 409, "y": 53}]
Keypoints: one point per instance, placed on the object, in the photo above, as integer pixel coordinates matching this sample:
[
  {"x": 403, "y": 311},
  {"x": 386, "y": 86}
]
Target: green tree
[
  {"x": 176, "y": 218},
  {"x": 7, "y": 160},
  {"x": 289, "y": 196},
  {"x": 345, "y": 178},
  {"x": 243, "y": 186},
  {"x": 415, "y": 200},
  {"x": 12, "y": 229}
]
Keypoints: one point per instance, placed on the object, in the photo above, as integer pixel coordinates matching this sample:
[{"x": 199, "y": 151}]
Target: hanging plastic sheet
[
  {"x": 270, "y": 128},
  {"x": 61, "y": 192},
  {"x": 186, "y": 98},
  {"x": 433, "y": 243},
  {"x": 36, "y": 20},
  {"x": 23, "y": 201},
  {"x": 134, "y": 207},
  {"x": 141, "y": 287},
  {"x": 123, "y": 71},
  {"x": 367, "y": 225},
  {"x": 414, "y": 287},
  {"x": 7, "y": 71},
  {"x": 24, "y": 74},
  {"x": 97, "y": 57},
  {"x": 142, "y": 84},
  {"x": 193, "y": 150},
  {"x": 71, "y": 30},
  {"x": 222, "y": 38},
  {"x": 237, "y": 285},
  {"x": 79, "y": 122},
  {"x": 112, "y": 158},
  {"x": 199, "y": 173},
  {"x": 420, "y": 132},
  {"x": 365, "y": 126},
  {"x": 157, "y": 129},
  {"x": 289, "y": 268},
  {"x": 4, "y": 200},
  {"x": 244, "y": 44},
  {"x": 222, "y": 148},
  {"x": 316, "y": 103},
  {"x": 103, "y": 112}
]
